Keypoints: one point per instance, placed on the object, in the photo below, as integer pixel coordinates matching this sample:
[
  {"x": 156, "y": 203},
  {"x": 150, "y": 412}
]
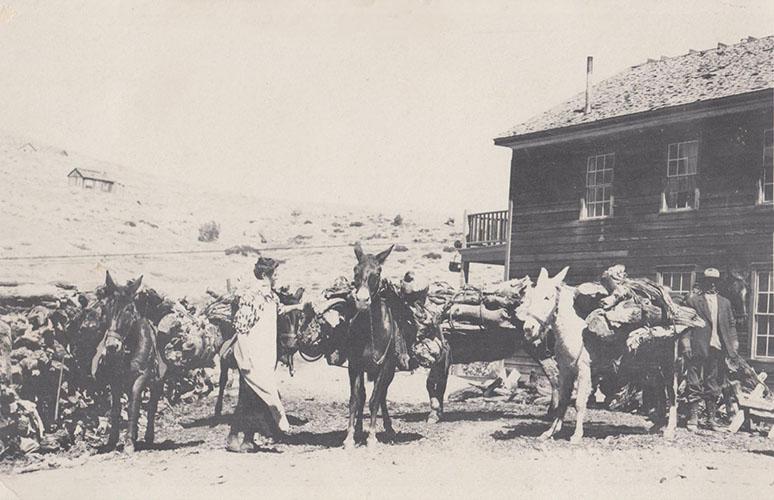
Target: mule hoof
[
  {"x": 576, "y": 439},
  {"x": 546, "y": 436},
  {"x": 349, "y": 444},
  {"x": 669, "y": 433},
  {"x": 372, "y": 443},
  {"x": 129, "y": 447},
  {"x": 433, "y": 417}
]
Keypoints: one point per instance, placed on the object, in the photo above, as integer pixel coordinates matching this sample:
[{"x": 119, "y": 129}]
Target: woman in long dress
[{"x": 259, "y": 408}]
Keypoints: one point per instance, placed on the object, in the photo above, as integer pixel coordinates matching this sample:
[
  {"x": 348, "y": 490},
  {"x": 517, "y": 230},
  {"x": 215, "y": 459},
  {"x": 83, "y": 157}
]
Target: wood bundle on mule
[
  {"x": 638, "y": 308},
  {"x": 192, "y": 340},
  {"x": 493, "y": 306},
  {"x": 438, "y": 308}
]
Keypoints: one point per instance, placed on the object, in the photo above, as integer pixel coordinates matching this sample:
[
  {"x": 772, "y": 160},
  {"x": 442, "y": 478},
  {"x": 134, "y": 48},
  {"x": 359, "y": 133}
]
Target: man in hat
[{"x": 706, "y": 348}]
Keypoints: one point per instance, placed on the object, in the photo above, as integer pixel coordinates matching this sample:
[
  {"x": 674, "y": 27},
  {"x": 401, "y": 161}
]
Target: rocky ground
[{"x": 482, "y": 448}]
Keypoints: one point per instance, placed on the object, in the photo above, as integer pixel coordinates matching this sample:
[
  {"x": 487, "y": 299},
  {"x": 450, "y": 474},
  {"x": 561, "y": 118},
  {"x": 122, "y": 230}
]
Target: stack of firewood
[
  {"x": 636, "y": 307},
  {"x": 36, "y": 367}
]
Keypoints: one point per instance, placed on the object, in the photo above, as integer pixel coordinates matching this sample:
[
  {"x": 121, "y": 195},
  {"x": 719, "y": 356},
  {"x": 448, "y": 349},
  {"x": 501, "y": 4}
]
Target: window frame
[
  {"x": 761, "y": 199},
  {"x": 664, "y": 207},
  {"x": 585, "y": 204},
  {"x": 754, "y": 315},
  {"x": 677, "y": 269}
]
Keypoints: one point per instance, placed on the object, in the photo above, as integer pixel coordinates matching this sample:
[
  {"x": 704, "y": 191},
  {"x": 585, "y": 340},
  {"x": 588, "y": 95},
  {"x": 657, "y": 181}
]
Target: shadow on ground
[{"x": 591, "y": 430}]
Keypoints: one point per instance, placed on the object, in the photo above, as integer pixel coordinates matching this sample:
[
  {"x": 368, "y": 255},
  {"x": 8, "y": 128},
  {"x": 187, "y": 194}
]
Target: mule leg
[
  {"x": 222, "y": 382},
  {"x": 436, "y": 387},
  {"x": 237, "y": 419},
  {"x": 387, "y": 421},
  {"x": 551, "y": 370},
  {"x": 386, "y": 373},
  {"x": 566, "y": 378},
  {"x": 582, "y": 398},
  {"x": 153, "y": 405},
  {"x": 135, "y": 398},
  {"x": 670, "y": 381},
  {"x": 356, "y": 401},
  {"x": 115, "y": 414}
]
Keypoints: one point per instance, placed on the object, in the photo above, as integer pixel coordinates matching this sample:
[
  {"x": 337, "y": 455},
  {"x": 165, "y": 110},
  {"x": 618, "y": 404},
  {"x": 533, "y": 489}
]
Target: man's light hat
[{"x": 711, "y": 272}]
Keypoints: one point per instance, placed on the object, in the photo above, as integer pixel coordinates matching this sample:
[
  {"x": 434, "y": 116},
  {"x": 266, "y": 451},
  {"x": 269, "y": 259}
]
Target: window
[
  {"x": 679, "y": 280},
  {"x": 681, "y": 190},
  {"x": 598, "y": 201},
  {"x": 766, "y": 184},
  {"x": 763, "y": 317}
]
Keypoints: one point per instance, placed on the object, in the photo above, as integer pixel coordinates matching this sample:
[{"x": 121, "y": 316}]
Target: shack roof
[
  {"x": 724, "y": 71},
  {"x": 91, "y": 174}
]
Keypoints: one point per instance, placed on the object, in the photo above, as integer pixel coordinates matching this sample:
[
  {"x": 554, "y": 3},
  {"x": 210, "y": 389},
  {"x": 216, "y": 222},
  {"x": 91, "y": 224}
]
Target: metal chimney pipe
[{"x": 589, "y": 72}]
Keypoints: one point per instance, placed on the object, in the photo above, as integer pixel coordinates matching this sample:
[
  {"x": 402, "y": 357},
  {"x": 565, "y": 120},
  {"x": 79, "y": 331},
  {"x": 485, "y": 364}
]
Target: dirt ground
[{"x": 481, "y": 449}]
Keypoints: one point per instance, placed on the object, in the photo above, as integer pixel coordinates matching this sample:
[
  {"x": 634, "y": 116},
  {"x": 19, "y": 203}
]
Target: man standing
[{"x": 705, "y": 349}]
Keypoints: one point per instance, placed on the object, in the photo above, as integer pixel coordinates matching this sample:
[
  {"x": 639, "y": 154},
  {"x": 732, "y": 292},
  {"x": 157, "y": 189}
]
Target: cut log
[
  {"x": 737, "y": 421},
  {"x": 477, "y": 315},
  {"x": 626, "y": 312},
  {"x": 596, "y": 322}
]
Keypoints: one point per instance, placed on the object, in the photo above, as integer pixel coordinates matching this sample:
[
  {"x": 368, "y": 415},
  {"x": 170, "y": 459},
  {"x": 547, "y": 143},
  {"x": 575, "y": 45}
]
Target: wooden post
[
  {"x": 464, "y": 266},
  {"x": 228, "y": 285},
  {"x": 508, "y": 235}
]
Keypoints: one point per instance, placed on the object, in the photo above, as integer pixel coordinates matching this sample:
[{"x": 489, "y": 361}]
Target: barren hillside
[{"x": 159, "y": 218}]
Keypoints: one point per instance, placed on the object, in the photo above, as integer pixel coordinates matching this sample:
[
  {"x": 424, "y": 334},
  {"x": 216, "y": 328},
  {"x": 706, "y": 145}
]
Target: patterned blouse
[{"x": 253, "y": 301}]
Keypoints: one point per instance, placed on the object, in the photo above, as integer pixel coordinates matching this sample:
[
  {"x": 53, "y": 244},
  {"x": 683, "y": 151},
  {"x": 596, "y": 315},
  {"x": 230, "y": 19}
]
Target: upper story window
[
  {"x": 766, "y": 183},
  {"x": 598, "y": 199},
  {"x": 681, "y": 190}
]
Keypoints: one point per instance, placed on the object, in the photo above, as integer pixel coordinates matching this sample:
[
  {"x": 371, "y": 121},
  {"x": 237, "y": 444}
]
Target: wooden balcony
[
  {"x": 486, "y": 240},
  {"x": 486, "y": 229}
]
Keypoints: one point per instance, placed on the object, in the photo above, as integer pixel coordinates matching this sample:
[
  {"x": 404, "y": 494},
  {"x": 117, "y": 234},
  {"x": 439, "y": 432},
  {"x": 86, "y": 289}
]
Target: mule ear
[
  {"x": 559, "y": 278},
  {"x": 359, "y": 252},
  {"x": 135, "y": 286},
  {"x": 299, "y": 293},
  {"x": 542, "y": 276},
  {"x": 382, "y": 256},
  {"x": 110, "y": 285}
]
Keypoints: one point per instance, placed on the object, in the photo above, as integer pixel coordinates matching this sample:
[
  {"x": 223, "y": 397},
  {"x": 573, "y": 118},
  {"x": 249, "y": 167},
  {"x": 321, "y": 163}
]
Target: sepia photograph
[{"x": 386, "y": 249}]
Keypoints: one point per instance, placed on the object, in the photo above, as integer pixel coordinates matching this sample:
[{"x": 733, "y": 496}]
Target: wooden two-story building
[{"x": 666, "y": 167}]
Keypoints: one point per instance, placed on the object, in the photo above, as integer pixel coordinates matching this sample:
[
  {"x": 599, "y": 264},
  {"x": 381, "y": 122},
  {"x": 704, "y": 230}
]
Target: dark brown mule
[
  {"x": 370, "y": 346},
  {"x": 288, "y": 325},
  {"x": 129, "y": 358}
]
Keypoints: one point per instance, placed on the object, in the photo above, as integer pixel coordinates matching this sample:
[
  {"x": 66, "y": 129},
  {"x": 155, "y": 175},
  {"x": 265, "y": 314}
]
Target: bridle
[
  {"x": 547, "y": 323},
  {"x": 373, "y": 296}
]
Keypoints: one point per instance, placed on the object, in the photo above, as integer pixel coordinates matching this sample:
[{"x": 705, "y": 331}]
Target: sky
[{"x": 383, "y": 103}]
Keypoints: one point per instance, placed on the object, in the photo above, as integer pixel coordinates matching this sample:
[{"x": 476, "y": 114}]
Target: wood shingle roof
[{"x": 671, "y": 81}]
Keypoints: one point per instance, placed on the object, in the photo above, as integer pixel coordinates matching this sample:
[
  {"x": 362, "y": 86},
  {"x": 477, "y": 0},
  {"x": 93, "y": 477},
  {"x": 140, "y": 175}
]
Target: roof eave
[{"x": 693, "y": 110}]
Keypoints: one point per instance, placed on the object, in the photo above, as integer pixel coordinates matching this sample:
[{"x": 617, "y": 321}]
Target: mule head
[
  {"x": 120, "y": 312},
  {"x": 539, "y": 304},
  {"x": 368, "y": 275}
]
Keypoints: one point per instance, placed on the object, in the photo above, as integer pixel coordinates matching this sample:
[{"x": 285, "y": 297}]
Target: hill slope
[{"x": 40, "y": 215}]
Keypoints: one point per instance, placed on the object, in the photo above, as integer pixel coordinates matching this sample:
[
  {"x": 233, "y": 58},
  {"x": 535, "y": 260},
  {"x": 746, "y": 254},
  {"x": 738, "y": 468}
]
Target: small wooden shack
[{"x": 90, "y": 179}]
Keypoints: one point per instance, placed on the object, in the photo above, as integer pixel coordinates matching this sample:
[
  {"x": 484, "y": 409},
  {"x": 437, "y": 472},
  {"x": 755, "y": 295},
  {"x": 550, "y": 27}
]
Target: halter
[
  {"x": 371, "y": 324},
  {"x": 545, "y": 324}
]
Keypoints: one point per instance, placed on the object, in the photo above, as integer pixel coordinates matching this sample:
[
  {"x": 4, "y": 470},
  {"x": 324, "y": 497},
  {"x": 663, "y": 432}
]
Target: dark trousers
[{"x": 704, "y": 376}]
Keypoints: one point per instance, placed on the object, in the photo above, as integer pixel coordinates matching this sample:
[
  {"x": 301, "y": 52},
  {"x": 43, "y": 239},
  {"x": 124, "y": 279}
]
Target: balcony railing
[{"x": 487, "y": 228}]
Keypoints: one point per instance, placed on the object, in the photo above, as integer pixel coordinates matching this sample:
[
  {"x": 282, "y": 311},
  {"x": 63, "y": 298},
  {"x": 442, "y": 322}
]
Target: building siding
[{"x": 727, "y": 230}]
